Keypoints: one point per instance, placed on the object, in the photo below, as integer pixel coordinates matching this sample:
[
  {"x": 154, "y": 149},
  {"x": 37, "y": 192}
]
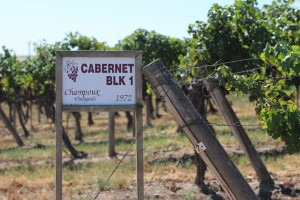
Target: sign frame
[
  {"x": 136, "y": 108},
  {"x": 105, "y": 54}
]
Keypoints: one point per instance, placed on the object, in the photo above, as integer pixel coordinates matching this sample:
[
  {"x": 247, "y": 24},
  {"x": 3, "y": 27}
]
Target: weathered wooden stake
[
  {"x": 58, "y": 133},
  {"x": 198, "y": 132},
  {"x": 138, "y": 114},
  {"x": 111, "y": 134},
  {"x": 238, "y": 131}
]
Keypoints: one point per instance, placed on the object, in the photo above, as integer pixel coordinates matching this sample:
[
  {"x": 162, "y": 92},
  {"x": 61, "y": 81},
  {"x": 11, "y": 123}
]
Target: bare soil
[
  {"x": 286, "y": 187},
  {"x": 175, "y": 186}
]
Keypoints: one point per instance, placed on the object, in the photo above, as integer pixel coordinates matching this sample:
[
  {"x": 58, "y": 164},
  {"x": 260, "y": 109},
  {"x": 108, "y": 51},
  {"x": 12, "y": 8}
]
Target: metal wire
[
  {"x": 151, "y": 117},
  {"x": 126, "y": 153}
]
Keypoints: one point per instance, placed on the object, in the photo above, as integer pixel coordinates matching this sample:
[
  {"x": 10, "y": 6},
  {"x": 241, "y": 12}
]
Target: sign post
[{"x": 99, "y": 81}]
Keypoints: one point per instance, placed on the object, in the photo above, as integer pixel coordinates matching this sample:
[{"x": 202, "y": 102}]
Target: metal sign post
[{"x": 99, "y": 81}]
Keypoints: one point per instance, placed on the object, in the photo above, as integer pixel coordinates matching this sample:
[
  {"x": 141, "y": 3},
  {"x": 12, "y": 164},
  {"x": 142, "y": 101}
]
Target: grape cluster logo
[{"x": 71, "y": 69}]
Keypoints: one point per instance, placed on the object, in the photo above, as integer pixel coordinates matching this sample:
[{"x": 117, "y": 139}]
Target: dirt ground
[{"x": 285, "y": 188}]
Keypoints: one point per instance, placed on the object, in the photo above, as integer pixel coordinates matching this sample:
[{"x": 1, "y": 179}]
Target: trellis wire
[
  {"x": 115, "y": 169},
  {"x": 209, "y": 124},
  {"x": 240, "y": 72},
  {"x": 215, "y": 64},
  {"x": 151, "y": 117}
]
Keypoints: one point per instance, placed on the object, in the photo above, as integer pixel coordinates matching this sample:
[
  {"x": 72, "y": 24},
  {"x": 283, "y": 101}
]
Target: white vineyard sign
[{"x": 98, "y": 81}]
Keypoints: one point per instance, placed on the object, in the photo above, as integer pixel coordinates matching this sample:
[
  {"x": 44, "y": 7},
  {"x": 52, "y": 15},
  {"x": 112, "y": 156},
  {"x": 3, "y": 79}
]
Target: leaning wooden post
[
  {"x": 198, "y": 132},
  {"x": 238, "y": 131}
]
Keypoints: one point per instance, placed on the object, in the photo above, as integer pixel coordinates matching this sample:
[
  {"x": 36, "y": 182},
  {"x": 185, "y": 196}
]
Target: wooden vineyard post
[
  {"x": 138, "y": 131},
  {"x": 139, "y": 152},
  {"x": 198, "y": 133},
  {"x": 111, "y": 134},
  {"x": 58, "y": 132},
  {"x": 239, "y": 132}
]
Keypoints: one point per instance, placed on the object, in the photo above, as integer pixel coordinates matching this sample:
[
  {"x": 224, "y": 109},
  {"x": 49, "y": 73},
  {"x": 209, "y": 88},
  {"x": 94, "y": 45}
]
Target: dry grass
[{"x": 28, "y": 173}]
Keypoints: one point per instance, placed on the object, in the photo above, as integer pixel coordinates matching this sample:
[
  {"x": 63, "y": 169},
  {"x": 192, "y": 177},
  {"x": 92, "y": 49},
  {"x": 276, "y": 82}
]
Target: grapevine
[{"x": 273, "y": 88}]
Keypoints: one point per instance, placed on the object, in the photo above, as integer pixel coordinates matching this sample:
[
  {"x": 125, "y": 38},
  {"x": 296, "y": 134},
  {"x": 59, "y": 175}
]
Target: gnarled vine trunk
[
  {"x": 78, "y": 134},
  {"x": 198, "y": 100},
  {"x": 90, "y": 119},
  {"x": 21, "y": 118},
  {"x": 11, "y": 128},
  {"x": 50, "y": 111}
]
